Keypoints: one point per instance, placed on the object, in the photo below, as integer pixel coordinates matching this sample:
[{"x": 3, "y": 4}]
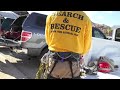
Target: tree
[{"x": 109, "y": 31}]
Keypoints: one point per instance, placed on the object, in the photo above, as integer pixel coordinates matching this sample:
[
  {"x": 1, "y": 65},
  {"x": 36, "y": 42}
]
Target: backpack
[
  {"x": 51, "y": 63},
  {"x": 102, "y": 64}
]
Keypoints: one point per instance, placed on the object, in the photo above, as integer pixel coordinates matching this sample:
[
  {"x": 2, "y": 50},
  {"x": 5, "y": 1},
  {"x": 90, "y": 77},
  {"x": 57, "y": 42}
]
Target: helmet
[{"x": 104, "y": 67}]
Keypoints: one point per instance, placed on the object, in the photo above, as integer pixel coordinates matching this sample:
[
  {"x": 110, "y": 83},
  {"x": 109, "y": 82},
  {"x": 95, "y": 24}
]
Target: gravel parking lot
[{"x": 17, "y": 65}]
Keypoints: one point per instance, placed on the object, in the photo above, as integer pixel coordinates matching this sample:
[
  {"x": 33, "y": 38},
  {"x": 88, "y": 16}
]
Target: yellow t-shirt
[{"x": 68, "y": 31}]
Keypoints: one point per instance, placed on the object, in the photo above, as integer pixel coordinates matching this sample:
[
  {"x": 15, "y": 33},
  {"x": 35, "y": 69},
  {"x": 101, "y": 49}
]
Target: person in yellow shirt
[{"x": 68, "y": 36}]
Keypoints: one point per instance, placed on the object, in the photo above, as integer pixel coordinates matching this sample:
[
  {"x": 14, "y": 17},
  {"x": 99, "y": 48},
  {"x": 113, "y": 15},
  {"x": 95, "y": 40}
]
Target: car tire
[{"x": 33, "y": 52}]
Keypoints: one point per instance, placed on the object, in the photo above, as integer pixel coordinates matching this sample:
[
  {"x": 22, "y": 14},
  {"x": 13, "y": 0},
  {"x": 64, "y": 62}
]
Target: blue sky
[
  {"x": 109, "y": 18},
  {"x": 105, "y": 17}
]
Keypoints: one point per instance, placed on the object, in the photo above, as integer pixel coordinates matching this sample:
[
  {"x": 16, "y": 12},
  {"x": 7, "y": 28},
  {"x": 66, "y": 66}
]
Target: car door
[
  {"x": 11, "y": 39},
  {"x": 117, "y": 35},
  {"x": 34, "y": 25}
]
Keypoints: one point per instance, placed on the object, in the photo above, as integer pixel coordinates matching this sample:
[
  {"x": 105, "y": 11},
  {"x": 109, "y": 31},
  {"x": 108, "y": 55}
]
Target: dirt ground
[{"x": 17, "y": 65}]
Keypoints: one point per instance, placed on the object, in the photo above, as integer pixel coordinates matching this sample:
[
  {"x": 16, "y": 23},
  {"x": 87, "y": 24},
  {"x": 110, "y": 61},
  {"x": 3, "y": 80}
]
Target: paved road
[{"x": 17, "y": 65}]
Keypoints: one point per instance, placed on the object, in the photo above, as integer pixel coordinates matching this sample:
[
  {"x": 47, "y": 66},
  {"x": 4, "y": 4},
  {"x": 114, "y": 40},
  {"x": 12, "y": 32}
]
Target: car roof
[{"x": 41, "y": 12}]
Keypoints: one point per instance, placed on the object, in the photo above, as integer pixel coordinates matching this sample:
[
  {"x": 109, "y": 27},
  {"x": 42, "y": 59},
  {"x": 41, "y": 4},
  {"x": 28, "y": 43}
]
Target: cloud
[
  {"x": 90, "y": 13},
  {"x": 108, "y": 12},
  {"x": 100, "y": 17},
  {"x": 96, "y": 16}
]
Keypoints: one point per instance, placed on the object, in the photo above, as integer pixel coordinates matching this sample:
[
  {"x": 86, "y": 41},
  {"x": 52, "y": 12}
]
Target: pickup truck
[{"x": 32, "y": 38}]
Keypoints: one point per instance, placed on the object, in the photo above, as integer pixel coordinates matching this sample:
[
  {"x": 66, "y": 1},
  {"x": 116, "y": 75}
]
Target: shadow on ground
[
  {"x": 20, "y": 70},
  {"x": 23, "y": 68}
]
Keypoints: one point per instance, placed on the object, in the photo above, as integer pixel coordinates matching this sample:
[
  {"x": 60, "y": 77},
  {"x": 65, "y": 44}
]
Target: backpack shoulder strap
[
  {"x": 70, "y": 64},
  {"x": 53, "y": 66}
]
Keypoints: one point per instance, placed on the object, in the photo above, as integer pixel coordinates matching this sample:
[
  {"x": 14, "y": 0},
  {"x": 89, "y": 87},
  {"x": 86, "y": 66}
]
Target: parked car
[{"x": 32, "y": 38}]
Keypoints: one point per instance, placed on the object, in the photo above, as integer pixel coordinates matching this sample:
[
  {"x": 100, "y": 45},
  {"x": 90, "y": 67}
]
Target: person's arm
[
  {"x": 88, "y": 37},
  {"x": 47, "y": 27}
]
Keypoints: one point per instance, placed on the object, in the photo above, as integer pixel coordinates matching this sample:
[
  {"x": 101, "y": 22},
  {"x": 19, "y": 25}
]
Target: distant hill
[{"x": 107, "y": 30}]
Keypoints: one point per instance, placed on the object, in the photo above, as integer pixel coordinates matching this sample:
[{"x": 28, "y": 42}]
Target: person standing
[{"x": 68, "y": 35}]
